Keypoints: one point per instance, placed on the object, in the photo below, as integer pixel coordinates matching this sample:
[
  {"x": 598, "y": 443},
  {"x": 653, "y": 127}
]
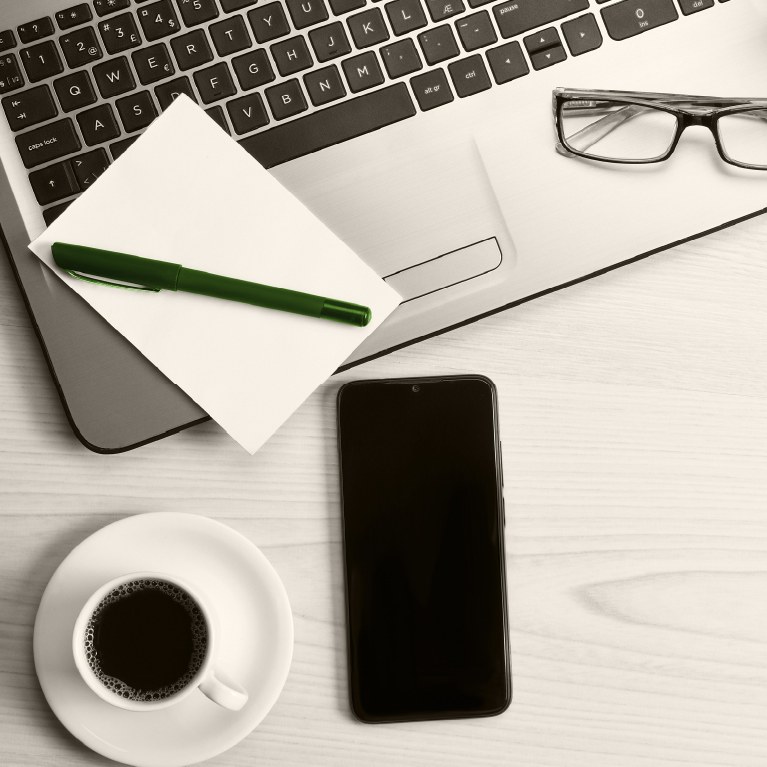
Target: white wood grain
[{"x": 634, "y": 425}]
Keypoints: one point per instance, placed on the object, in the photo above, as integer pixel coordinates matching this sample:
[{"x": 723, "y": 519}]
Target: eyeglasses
[{"x": 634, "y": 127}]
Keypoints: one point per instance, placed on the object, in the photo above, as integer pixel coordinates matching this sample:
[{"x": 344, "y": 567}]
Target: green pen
[{"x": 148, "y": 274}]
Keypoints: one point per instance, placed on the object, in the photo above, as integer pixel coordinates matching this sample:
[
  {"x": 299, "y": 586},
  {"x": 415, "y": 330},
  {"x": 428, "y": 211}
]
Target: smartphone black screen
[{"x": 424, "y": 554}]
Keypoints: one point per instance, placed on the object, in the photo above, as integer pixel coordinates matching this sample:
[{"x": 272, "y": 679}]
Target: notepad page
[{"x": 186, "y": 192}]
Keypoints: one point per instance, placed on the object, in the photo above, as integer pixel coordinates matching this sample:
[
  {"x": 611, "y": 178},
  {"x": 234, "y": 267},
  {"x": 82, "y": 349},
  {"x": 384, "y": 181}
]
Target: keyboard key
[
  {"x": 98, "y": 124},
  {"x": 29, "y": 107},
  {"x": 168, "y": 92},
  {"x": 153, "y": 64},
  {"x": 345, "y": 6},
  {"x": 330, "y": 42},
  {"x": 75, "y": 91},
  {"x": 331, "y": 125},
  {"x": 217, "y": 115},
  {"x": 291, "y": 55},
  {"x": 41, "y": 61},
  {"x": 7, "y": 40},
  {"x": 54, "y": 182},
  {"x": 515, "y": 16},
  {"x": 507, "y": 62},
  {"x": 693, "y": 6},
  {"x": 114, "y": 77},
  {"x": 546, "y": 38},
  {"x": 35, "y": 30},
  {"x": 51, "y": 214},
  {"x": 401, "y": 58},
  {"x": 545, "y": 48},
  {"x": 476, "y": 31},
  {"x": 362, "y": 72},
  {"x": 286, "y": 99},
  {"x": 89, "y": 166},
  {"x": 191, "y": 50},
  {"x": 306, "y": 13},
  {"x": 269, "y": 23},
  {"x": 438, "y": 44},
  {"x": 197, "y": 11},
  {"x": 247, "y": 113},
  {"x": 104, "y": 7},
  {"x": 469, "y": 75},
  {"x": 582, "y": 34},
  {"x": 81, "y": 46},
  {"x": 324, "y": 85},
  {"x": 368, "y": 28},
  {"x": 74, "y": 16},
  {"x": 10, "y": 74},
  {"x": 235, "y": 5},
  {"x": 120, "y": 146},
  {"x": 119, "y": 33},
  {"x": 230, "y": 35},
  {"x": 444, "y": 9},
  {"x": 214, "y": 83},
  {"x": 48, "y": 142},
  {"x": 545, "y": 58},
  {"x": 158, "y": 20},
  {"x": 431, "y": 89},
  {"x": 405, "y": 16},
  {"x": 253, "y": 69},
  {"x": 631, "y": 17},
  {"x": 136, "y": 111}
]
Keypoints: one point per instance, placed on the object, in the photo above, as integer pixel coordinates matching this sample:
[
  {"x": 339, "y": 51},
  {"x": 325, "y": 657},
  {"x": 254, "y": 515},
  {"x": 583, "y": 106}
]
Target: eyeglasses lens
[
  {"x": 614, "y": 130},
  {"x": 744, "y": 136}
]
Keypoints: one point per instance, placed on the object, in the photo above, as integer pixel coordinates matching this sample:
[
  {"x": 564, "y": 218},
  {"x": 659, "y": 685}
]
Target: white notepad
[{"x": 185, "y": 192}]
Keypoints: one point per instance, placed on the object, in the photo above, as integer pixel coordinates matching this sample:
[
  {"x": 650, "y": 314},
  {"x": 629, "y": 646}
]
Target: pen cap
[
  {"x": 157, "y": 275},
  {"x": 343, "y": 311}
]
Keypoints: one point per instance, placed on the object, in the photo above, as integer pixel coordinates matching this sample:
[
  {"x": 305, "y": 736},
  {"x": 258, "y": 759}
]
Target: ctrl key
[
  {"x": 47, "y": 143},
  {"x": 469, "y": 76}
]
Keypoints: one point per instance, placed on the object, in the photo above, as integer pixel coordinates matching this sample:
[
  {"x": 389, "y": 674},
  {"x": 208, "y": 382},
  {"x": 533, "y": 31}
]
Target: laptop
[{"x": 420, "y": 131}]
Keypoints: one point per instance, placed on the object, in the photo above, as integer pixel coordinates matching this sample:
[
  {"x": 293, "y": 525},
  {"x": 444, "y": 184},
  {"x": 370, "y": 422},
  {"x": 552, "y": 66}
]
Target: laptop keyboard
[{"x": 285, "y": 78}]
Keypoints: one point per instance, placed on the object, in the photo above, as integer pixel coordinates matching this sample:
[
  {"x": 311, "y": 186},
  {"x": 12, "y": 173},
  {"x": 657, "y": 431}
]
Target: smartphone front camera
[{"x": 416, "y": 388}]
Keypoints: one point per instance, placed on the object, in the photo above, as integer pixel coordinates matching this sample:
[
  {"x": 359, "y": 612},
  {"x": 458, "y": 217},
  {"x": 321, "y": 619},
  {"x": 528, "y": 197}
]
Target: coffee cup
[{"x": 146, "y": 640}]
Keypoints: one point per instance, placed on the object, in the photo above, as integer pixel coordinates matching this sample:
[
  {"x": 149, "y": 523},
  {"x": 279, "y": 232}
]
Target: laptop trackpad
[{"x": 446, "y": 270}]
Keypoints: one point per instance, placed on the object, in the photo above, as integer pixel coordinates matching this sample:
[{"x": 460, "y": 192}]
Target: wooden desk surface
[{"x": 634, "y": 425}]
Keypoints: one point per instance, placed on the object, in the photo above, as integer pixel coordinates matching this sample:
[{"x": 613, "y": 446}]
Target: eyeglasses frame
[{"x": 685, "y": 117}]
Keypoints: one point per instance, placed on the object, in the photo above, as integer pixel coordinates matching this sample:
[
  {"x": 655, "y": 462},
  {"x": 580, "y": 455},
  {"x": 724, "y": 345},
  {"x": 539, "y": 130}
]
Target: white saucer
[{"x": 254, "y": 621}]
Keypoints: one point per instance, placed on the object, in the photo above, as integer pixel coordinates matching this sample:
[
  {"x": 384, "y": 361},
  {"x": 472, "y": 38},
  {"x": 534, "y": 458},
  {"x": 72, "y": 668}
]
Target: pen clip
[{"x": 109, "y": 284}]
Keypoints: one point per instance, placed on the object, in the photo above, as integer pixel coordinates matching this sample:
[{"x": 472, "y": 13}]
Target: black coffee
[{"x": 146, "y": 640}]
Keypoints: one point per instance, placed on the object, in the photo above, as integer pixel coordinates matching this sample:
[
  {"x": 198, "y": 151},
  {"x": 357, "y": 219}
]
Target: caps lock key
[{"x": 47, "y": 143}]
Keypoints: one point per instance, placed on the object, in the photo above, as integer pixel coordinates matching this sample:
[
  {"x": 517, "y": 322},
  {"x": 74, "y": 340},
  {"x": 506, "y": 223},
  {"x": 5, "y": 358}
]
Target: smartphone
[{"x": 423, "y": 524}]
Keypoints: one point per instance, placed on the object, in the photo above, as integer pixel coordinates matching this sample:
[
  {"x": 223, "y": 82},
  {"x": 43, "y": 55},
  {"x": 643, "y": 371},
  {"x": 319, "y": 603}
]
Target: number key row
[{"x": 119, "y": 33}]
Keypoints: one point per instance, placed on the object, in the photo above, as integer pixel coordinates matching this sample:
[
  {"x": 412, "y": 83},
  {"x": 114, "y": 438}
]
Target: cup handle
[{"x": 226, "y": 693}]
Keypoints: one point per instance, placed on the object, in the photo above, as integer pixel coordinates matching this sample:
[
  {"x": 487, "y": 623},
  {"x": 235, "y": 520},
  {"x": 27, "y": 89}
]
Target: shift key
[
  {"x": 517, "y": 16},
  {"x": 47, "y": 143}
]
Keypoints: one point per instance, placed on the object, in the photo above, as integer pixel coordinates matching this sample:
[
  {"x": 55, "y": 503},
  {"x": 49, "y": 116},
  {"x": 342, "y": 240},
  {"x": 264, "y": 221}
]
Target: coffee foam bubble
[{"x": 199, "y": 640}]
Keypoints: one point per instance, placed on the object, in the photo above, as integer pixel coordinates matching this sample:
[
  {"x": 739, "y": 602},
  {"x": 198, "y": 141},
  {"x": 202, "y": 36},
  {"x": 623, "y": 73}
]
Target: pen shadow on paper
[
  {"x": 39, "y": 572},
  {"x": 335, "y": 563}
]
